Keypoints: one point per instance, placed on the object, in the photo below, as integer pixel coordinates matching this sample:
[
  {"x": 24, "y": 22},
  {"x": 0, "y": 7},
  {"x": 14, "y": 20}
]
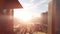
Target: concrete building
[
  {"x": 50, "y": 7},
  {"x": 6, "y": 15},
  {"x": 54, "y": 17},
  {"x": 44, "y": 21}
]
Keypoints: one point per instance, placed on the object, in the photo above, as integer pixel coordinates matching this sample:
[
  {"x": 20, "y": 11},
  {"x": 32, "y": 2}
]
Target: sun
[{"x": 23, "y": 15}]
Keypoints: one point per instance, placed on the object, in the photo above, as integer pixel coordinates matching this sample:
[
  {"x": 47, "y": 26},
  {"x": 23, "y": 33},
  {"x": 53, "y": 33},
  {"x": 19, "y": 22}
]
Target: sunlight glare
[{"x": 23, "y": 15}]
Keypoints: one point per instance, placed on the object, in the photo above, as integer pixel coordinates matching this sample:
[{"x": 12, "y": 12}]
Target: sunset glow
[{"x": 23, "y": 15}]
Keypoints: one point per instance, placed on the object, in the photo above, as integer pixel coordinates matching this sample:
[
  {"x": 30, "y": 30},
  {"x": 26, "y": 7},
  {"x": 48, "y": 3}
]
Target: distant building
[
  {"x": 44, "y": 17},
  {"x": 36, "y": 20},
  {"x": 44, "y": 21}
]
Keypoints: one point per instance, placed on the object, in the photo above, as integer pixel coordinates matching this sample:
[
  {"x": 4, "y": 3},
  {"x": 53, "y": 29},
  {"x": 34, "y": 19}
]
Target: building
[
  {"x": 44, "y": 21},
  {"x": 53, "y": 16},
  {"x": 6, "y": 15},
  {"x": 56, "y": 17},
  {"x": 50, "y": 7}
]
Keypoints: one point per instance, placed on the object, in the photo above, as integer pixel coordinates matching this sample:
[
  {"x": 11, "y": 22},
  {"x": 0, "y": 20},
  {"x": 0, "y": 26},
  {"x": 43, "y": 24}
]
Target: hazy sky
[{"x": 34, "y": 6}]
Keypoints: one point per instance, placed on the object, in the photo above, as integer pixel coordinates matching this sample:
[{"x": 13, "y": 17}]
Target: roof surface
[{"x": 9, "y": 4}]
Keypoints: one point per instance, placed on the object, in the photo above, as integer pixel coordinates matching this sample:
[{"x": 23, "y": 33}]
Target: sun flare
[{"x": 23, "y": 15}]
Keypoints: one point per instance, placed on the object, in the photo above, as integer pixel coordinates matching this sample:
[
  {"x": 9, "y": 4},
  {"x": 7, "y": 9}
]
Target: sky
[{"x": 35, "y": 7}]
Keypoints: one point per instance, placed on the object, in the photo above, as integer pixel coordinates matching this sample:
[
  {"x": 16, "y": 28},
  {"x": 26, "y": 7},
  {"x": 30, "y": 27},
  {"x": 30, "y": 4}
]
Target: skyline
[{"x": 35, "y": 7}]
